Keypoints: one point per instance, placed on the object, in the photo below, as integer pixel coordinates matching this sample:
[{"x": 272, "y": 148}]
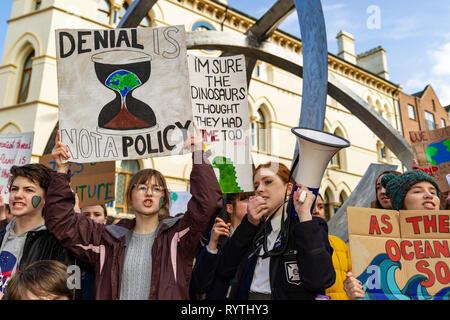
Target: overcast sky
[{"x": 415, "y": 35}]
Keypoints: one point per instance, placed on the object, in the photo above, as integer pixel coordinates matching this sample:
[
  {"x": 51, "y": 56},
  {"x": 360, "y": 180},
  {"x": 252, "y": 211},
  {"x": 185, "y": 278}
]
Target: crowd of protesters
[{"x": 259, "y": 250}]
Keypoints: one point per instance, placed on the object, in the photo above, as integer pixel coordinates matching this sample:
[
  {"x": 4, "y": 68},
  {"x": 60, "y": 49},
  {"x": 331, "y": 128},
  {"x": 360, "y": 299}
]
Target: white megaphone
[{"x": 316, "y": 148}]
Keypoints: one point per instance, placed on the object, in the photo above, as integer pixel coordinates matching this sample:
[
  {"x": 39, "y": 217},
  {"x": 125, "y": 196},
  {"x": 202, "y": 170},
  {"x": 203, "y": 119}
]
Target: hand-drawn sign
[
  {"x": 220, "y": 109},
  {"x": 432, "y": 151},
  {"x": 15, "y": 149},
  {"x": 400, "y": 255},
  {"x": 94, "y": 183},
  {"x": 123, "y": 93}
]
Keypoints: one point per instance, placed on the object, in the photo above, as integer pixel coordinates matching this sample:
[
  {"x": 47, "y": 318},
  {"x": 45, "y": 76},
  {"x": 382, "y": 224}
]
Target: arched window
[
  {"x": 37, "y": 4},
  {"x": 25, "y": 80},
  {"x": 202, "y": 26},
  {"x": 128, "y": 168},
  {"x": 104, "y": 11},
  {"x": 342, "y": 198},
  {"x": 337, "y": 160},
  {"x": 328, "y": 205},
  {"x": 259, "y": 132},
  {"x": 382, "y": 151}
]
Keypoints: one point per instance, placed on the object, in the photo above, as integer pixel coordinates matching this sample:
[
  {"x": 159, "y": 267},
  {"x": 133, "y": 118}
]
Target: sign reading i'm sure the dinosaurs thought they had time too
[{"x": 220, "y": 109}]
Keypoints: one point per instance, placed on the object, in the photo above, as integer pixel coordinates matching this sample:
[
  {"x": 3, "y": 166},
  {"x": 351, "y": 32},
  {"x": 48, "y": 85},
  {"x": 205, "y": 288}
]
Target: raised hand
[
  {"x": 220, "y": 228},
  {"x": 256, "y": 209},
  {"x": 195, "y": 140},
  {"x": 60, "y": 150}
]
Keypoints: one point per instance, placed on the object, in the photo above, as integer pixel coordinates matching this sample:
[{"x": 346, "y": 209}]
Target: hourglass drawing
[{"x": 123, "y": 71}]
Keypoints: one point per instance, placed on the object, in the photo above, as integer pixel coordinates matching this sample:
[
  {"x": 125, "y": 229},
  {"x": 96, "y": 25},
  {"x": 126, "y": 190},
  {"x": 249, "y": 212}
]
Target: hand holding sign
[
  {"x": 59, "y": 151},
  {"x": 353, "y": 287},
  {"x": 195, "y": 140}
]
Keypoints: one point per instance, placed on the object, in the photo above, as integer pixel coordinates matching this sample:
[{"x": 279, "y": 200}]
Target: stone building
[{"x": 29, "y": 99}]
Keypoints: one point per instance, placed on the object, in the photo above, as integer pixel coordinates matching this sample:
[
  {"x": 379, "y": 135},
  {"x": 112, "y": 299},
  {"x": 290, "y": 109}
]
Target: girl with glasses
[{"x": 151, "y": 256}]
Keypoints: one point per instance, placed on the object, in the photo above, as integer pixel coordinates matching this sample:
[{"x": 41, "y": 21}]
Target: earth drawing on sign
[
  {"x": 123, "y": 81},
  {"x": 438, "y": 152}
]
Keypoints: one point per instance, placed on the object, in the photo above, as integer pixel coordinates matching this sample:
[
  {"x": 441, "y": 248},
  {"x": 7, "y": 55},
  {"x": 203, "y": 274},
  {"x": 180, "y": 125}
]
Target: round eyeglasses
[{"x": 143, "y": 188}]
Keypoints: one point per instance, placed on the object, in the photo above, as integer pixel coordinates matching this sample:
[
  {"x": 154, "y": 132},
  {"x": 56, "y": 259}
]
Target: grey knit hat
[{"x": 398, "y": 186}]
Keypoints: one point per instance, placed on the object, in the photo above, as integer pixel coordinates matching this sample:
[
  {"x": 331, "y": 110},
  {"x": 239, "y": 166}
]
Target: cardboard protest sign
[
  {"x": 15, "y": 149},
  {"x": 432, "y": 151},
  {"x": 94, "y": 183},
  {"x": 220, "y": 109},
  {"x": 123, "y": 93},
  {"x": 178, "y": 202},
  {"x": 400, "y": 255}
]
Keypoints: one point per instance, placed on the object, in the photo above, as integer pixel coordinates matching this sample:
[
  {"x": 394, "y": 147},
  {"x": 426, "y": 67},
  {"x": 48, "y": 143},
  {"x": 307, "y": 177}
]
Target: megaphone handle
[{"x": 315, "y": 191}]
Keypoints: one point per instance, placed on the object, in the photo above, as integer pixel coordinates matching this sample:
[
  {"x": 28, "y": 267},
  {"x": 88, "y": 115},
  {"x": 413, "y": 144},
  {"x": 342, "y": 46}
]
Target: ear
[{"x": 229, "y": 208}]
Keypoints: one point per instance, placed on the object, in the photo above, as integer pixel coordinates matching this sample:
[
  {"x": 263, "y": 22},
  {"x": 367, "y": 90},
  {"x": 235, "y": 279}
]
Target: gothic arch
[
  {"x": 337, "y": 125},
  {"x": 268, "y": 108},
  {"x": 343, "y": 187},
  {"x": 328, "y": 184},
  {"x": 16, "y": 128},
  {"x": 22, "y": 47}
]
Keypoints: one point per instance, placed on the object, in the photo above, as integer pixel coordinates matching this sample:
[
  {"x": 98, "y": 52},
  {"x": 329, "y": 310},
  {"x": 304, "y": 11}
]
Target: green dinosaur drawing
[{"x": 227, "y": 175}]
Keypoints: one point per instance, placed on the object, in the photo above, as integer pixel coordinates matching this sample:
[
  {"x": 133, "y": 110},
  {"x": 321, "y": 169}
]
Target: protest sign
[
  {"x": 220, "y": 109},
  {"x": 400, "y": 255},
  {"x": 15, "y": 149},
  {"x": 178, "y": 202},
  {"x": 94, "y": 183},
  {"x": 123, "y": 93},
  {"x": 432, "y": 151}
]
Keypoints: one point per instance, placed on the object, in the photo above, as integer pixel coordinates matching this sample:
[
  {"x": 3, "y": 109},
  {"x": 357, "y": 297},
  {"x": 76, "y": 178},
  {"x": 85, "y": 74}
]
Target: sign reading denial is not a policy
[
  {"x": 123, "y": 93},
  {"x": 220, "y": 109},
  {"x": 401, "y": 255}
]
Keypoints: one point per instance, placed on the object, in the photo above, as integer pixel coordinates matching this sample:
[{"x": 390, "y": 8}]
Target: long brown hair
[
  {"x": 278, "y": 168},
  {"x": 141, "y": 177},
  {"x": 376, "y": 203}
]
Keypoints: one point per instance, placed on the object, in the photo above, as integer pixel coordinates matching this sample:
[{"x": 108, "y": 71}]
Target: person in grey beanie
[{"x": 413, "y": 190}]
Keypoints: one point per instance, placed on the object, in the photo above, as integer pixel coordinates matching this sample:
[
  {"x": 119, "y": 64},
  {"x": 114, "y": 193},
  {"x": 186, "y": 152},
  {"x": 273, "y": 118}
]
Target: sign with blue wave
[{"x": 400, "y": 255}]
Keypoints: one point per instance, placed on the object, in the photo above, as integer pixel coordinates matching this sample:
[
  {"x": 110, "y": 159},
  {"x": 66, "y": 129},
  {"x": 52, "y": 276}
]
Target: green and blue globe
[
  {"x": 123, "y": 81},
  {"x": 438, "y": 152}
]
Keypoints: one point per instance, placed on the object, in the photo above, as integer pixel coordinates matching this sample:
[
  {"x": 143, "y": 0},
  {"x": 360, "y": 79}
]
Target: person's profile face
[
  {"x": 319, "y": 209},
  {"x": 381, "y": 195}
]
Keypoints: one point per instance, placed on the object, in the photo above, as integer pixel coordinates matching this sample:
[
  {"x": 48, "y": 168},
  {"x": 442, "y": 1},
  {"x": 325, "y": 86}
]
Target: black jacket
[
  {"x": 302, "y": 272},
  {"x": 42, "y": 245}
]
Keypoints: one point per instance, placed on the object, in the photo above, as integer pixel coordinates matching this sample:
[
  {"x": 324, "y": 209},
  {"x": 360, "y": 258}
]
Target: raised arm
[
  {"x": 73, "y": 230},
  {"x": 206, "y": 200}
]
